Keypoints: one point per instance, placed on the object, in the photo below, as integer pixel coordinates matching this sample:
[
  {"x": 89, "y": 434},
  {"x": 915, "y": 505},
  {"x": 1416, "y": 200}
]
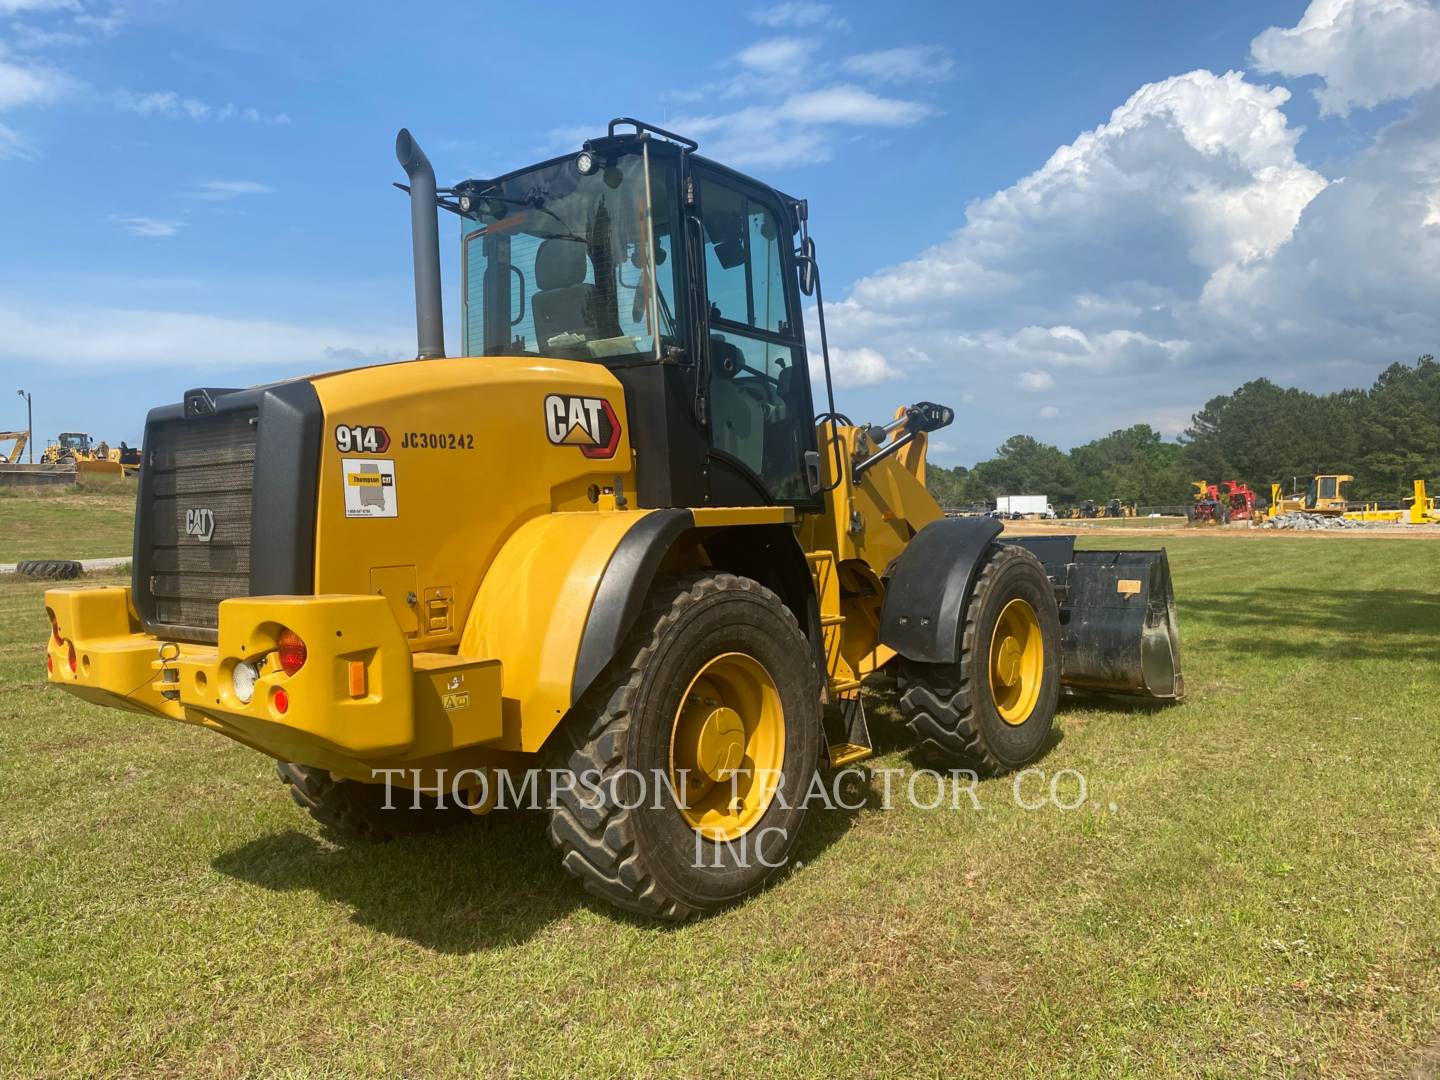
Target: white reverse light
[{"x": 243, "y": 679}]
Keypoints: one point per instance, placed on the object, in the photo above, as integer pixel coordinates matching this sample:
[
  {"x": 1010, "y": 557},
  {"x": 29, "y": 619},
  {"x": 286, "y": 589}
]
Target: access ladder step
[{"x": 855, "y": 744}]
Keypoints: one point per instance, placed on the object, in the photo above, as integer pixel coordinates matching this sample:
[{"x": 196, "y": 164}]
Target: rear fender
[
  {"x": 929, "y": 586},
  {"x": 532, "y": 608}
]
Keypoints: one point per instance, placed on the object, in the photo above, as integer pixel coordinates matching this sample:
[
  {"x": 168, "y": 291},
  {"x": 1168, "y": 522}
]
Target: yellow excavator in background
[{"x": 21, "y": 440}]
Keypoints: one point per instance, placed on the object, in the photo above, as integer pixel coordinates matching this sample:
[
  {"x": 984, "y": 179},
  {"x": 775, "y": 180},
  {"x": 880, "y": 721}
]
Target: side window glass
[
  {"x": 725, "y": 254},
  {"x": 742, "y": 260},
  {"x": 767, "y": 287},
  {"x": 758, "y": 410}
]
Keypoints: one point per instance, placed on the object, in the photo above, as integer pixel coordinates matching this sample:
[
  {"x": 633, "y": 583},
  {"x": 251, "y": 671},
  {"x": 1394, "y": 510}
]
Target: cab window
[{"x": 760, "y": 410}]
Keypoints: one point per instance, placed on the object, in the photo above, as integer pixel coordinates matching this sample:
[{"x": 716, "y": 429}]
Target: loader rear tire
[
  {"x": 356, "y": 811},
  {"x": 707, "y": 646},
  {"x": 965, "y": 714},
  {"x": 49, "y": 569}
]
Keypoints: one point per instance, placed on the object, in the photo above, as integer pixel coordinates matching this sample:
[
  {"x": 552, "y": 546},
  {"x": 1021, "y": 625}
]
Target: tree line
[{"x": 1260, "y": 434}]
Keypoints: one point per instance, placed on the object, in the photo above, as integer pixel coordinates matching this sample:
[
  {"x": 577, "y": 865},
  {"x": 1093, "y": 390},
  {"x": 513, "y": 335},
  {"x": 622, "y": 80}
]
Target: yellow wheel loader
[
  {"x": 89, "y": 458},
  {"x": 614, "y": 549}
]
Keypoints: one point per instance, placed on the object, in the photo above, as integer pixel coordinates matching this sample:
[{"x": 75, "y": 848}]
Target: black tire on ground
[
  {"x": 50, "y": 569},
  {"x": 647, "y": 858},
  {"x": 950, "y": 708},
  {"x": 357, "y": 811}
]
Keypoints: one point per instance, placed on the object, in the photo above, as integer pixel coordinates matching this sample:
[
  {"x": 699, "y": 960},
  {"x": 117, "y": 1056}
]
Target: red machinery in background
[{"x": 1240, "y": 501}]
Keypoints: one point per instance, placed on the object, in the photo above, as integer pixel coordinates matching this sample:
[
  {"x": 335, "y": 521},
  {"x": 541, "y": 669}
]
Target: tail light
[
  {"x": 292, "y": 651},
  {"x": 281, "y": 701},
  {"x": 54, "y": 627},
  {"x": 72, "y": 658},
  {"x": 49, "y": 663}
]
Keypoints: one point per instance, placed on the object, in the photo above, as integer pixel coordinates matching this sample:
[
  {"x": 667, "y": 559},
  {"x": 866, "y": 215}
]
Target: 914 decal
[
  {"x": 361, "y": 439},
  {"x": 373, "y": 439}
]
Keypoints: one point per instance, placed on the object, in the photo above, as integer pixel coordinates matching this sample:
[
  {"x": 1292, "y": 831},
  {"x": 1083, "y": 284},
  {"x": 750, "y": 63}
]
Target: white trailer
[{"x": 1025, "y": 505}]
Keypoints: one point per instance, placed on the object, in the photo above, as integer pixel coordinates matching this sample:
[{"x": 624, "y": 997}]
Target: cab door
[{"x": 760, "y": 416}]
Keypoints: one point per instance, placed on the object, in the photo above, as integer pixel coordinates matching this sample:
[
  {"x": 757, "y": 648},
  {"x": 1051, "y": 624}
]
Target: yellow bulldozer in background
[
  {"x": 1322, "y": 495},
  {"x": 616, "y": 540}
]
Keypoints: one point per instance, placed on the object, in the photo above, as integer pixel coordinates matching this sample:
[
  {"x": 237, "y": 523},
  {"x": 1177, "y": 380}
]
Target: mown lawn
[
  {"x": 93, "y": 521},
  {"x": 1251, "y": 888}
]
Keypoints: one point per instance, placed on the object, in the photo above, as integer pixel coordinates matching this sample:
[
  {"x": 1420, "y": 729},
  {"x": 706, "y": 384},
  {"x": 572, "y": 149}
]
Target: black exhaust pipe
[{"x": 425, "y": 235}]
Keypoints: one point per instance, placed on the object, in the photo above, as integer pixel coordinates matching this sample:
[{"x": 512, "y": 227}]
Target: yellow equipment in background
[
  {"x": 1323, "y": 495},
  {"x": 616, "y": 540},
  {"x": 89, "y": 458},
  {"x": 1421, "y": 511},
  {"x": 21, "y": 439}
]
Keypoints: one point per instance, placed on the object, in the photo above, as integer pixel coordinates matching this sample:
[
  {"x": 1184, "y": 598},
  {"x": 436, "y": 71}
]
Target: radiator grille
[{"x": 207, "y": 463}]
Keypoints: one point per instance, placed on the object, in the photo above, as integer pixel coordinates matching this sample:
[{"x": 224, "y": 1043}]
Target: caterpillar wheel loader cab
[{"x": 616, "y": 539}]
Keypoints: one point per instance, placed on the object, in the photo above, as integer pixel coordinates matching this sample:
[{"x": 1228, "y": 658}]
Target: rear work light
[{"x": 292, "y": 651}]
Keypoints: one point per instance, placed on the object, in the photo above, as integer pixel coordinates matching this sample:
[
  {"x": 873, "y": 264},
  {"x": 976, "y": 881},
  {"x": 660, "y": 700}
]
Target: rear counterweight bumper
[{"x": 360, "y": 696}]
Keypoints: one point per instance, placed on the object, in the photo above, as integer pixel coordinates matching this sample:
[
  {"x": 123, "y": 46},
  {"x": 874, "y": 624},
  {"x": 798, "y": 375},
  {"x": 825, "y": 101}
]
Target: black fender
[
  {"x": 771, "y": 554},
  {"x": 621, "y": 593},
  {"x": 929, "y": 586}
]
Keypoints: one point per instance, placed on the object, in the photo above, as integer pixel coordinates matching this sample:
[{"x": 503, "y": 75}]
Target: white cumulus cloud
[
  {"x": 1367, "y": 51},
  {"x": 1100, "y": 259}
]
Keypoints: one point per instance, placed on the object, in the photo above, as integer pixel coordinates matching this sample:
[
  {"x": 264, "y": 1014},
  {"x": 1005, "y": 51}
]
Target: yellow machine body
[
  {"x": 465, "y": 611},
  {"x": 1421, "y": 511},
  {"x": 1325, "y": 495}
]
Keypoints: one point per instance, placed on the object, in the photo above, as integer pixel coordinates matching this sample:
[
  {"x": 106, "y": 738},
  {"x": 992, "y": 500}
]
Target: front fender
[{"x": 929, "y": 586}]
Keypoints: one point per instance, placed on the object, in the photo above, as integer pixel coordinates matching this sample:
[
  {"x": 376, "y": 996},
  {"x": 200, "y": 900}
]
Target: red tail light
[
  {"x": 292, "y": 651},
  {"x": 281, "y": 700},
  {"x": 49, "y": 662},
  {"x": 72, "y": 657}
]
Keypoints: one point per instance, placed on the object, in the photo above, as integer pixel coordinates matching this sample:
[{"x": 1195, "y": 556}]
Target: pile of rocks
[{"x": 1311, "y": 521}]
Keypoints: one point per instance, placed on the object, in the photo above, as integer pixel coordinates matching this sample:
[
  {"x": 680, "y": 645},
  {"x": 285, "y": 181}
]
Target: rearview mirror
[{"x": 805, "y": 258}]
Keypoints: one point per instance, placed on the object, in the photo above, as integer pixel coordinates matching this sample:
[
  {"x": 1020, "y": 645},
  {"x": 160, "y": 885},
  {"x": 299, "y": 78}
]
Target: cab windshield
[{"x": 572, "y": 266}]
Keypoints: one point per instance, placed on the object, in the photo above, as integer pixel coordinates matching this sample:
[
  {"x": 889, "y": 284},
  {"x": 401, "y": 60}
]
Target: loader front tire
[
  {"x": 992, "y": 710},
  {"x": 357, "y": 811},
  {"x": 679, "y": 779}
]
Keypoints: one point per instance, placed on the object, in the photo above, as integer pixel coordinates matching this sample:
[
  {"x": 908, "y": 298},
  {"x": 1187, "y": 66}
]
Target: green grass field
[
  {"x": 92, "y": 521},
  {"x": 1251, "y": 888}
]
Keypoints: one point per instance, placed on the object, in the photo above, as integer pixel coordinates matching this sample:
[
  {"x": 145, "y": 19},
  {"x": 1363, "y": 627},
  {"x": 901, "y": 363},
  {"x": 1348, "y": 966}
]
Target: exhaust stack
[{"x": 425, "y": 236}]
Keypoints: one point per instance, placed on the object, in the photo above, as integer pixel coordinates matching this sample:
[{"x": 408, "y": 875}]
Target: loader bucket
[{"x": 1118, "y": 633}]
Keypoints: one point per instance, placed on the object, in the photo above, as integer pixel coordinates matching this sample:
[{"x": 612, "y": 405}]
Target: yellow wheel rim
[
  {"x": 1017, "y": 662},
  {"x": 727, "y": 746}
]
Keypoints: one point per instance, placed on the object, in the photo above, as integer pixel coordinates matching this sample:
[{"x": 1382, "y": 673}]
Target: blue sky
[{"x": 1060, "y": 218}]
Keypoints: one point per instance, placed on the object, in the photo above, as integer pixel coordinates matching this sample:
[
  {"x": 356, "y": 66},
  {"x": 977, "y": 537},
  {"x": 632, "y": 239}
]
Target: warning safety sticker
[{"x": 370, "y": 488}]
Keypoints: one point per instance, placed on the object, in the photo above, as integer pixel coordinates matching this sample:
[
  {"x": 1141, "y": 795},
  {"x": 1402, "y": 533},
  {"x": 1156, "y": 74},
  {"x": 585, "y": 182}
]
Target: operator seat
[{"x": 562, "y": 304}]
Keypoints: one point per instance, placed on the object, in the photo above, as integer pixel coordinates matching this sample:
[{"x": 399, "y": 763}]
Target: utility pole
[{"x": 29, "y": 426}]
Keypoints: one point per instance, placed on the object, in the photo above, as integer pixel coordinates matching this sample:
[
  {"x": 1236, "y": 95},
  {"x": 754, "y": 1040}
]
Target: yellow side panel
[
  {"x": 531, "y": 611},
  {"x": 470, "y": 459}
]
